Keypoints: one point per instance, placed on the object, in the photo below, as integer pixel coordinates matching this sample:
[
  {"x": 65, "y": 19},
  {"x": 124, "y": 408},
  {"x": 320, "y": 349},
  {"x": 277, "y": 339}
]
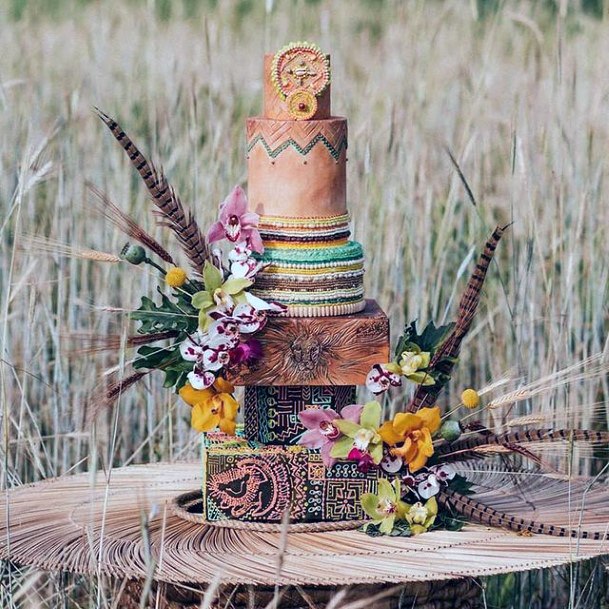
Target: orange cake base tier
[
  {"x": 297, "y": 168},
  {"x": 320, "y": 350}
]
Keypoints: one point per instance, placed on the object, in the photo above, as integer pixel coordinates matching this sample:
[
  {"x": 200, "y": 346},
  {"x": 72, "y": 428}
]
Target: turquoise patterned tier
[{"x": 313, "y": 281}]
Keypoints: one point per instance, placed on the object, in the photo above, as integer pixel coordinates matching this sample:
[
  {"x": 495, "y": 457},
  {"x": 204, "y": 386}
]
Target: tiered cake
[
  {"x": 297, "y": 155},
  {"x": 329, "y": 338}
]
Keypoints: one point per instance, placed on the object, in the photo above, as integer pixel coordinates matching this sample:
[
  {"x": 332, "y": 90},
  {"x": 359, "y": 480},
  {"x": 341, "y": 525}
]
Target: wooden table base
[{"x": 453, "y": 594}]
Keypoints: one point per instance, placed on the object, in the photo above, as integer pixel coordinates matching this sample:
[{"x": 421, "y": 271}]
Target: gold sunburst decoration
[
  {"x": 300, "y": 66},
  {"x": 302, "y": 105}
]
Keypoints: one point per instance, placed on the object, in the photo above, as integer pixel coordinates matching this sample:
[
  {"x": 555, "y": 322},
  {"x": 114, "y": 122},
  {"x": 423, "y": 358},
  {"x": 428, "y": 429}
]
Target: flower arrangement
[
  {"x": 208, "y": 319},
  {"x": 403, "y": 448}
]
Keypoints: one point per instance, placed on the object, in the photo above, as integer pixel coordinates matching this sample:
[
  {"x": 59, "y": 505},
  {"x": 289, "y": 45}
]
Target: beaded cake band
[
  {"x": 300, "y": 234},
  {"x": 305, "y": 223},
  {"x": 308, "y": 245},
  {"x": 324, "y": 310},
  {"x": 278, "y": 266}
]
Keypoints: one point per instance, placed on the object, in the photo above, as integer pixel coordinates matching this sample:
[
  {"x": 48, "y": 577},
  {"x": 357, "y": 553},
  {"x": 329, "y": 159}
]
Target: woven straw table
[{"x": 122, "y": 525}]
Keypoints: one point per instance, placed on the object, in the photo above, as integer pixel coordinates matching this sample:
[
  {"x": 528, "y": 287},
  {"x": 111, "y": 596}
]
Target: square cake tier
[{"x": 245, "y": 480}]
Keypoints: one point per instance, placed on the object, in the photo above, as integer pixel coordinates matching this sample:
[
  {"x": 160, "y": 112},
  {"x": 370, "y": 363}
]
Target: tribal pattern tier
[
  {"x": 297, "y": 159},
  {"x": 312, "y": 267},
  {"x": 244, "y": 480},
  {"x": 271, "y": 412}
]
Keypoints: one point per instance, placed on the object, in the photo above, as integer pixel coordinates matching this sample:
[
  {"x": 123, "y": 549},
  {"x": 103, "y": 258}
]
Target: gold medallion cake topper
[
  {"x": 302, "y": 105},
  {"x": 300, "y": 66}
]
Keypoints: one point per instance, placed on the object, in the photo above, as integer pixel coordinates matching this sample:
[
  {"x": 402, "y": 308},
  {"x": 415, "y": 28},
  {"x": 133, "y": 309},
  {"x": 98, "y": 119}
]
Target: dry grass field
[{"x": 517, "y": 91}]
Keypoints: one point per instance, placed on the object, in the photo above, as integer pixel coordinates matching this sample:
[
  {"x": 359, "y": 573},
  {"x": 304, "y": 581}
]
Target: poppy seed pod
[
  {"x": 450, "y": 431},
  {"x": 135, "y": 254}
]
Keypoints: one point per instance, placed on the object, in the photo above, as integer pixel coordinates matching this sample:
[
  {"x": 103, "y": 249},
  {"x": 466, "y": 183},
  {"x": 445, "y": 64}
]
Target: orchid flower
[
  {"x": 421, "y": 517},
  {"x": 385, "y": 507},
  {"x": 212, "y": 407},
  {"x": 414, "y": 431},
  {"x": 322, "y": 430},
  {"x": 235, "y": 223},
  {"x": 361, "y": 443},
  {"x": 381, "y": 377},
  {"x": 428, "y": 487},
  {"x": 218, "y": 294},
  {"x": 242, "y": 264}
]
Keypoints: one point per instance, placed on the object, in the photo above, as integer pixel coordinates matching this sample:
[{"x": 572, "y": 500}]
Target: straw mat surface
[{"x": 125, "y": 527}]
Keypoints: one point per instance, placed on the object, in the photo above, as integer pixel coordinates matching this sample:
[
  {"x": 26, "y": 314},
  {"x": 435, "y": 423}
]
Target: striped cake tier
[{"x": 312, "y": 267}]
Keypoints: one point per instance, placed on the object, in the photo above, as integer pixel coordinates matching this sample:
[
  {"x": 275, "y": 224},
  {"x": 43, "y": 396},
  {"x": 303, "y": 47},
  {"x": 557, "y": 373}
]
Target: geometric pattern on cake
[
  {"x": 276, "y": 136},
  {"x": 297, "y": 185},
  {"x": 271, "y": 412},
  {"x": 312, "y": 267},
  {"x": 245, "y": 480}
]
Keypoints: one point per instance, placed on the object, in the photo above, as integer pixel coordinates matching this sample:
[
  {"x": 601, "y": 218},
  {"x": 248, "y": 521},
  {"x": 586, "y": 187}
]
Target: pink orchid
[
  {"x": 364, "y": 459},
  {"x": 246, "y": 352},
  {"x": 322, "y": 432},
  {"x": 235, "y": 223},
  {"x": 380, "y": 378}
]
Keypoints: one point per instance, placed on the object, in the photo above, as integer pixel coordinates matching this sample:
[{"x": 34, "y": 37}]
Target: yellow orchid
[
  {"x": 420, "y": 517},
  {"x": 414, "y": 431},
  {"x": 212, "y": 407}
]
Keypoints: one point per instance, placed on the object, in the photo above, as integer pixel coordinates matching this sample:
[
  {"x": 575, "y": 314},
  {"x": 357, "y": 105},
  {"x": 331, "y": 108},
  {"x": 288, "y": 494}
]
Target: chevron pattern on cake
[{"x": 276, "y": 136}]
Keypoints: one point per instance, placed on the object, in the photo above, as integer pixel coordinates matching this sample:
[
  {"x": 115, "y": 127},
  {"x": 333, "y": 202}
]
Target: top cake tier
[{"x": 297, "y": 150}]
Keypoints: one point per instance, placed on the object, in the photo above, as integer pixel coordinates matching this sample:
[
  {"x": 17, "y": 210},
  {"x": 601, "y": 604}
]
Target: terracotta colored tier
[
  {"x": 274, "y": 103},
  {"x": 297, "y": 168}
]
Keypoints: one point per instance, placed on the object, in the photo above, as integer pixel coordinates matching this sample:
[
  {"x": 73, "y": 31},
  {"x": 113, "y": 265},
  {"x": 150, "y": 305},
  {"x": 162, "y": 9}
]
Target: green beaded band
[{"x": 351, "y": 251}]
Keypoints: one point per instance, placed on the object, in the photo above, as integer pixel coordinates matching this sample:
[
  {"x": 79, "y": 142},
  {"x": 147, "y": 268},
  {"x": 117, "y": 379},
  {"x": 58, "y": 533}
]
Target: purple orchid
[
  {"x": 364, "y": 459},
  {"x": 192, "y": 348},
  {"x": 322, "y": 431},
  {"x": 235, "y": 223},
  {"x": 216, "y": 354},
  {"x": 380, "y": 378},
  {"x": 246, "y": 352},
  {"x": 391, "y": 464},
  {"x": 428, "y": 487}
]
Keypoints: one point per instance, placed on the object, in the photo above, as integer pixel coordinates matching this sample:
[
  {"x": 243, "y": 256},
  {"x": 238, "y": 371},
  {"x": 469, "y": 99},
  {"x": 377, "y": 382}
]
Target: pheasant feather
[
  {"x": 445, "y": 357},
  {"x": 171, "y": 210}
]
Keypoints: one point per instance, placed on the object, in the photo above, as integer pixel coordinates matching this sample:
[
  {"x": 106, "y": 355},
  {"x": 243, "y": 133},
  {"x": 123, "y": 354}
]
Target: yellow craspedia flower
[
  {"x": 176, "y": 277},
  {"x": 470, "y": 398}
]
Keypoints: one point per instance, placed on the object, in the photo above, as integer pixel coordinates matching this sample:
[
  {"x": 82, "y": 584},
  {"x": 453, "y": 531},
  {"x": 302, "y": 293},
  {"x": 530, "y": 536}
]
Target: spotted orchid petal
[{"x": 201, "y": 379}]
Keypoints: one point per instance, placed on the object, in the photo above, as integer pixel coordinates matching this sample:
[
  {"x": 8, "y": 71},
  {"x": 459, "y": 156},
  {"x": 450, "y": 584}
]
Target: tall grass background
[{"x": 517, "y": 91}]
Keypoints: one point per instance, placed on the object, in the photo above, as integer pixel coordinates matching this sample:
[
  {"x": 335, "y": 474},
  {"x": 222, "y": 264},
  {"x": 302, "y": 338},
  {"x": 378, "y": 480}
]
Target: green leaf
[
  {"x": 342, "y": 447},
  {"x": 371, "y": 415},
  {"x": 429, "y": 340},
  {"x": 234, "y": 285},
  {"x": 167, "y": 316},
  {"x": 202, "y": 300},
  {"x": 212, "y": 277},
  {"x": 349, "y": 428},
  {"x": 460, "y": 485},
  {"x": 156, "y": 358}
]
